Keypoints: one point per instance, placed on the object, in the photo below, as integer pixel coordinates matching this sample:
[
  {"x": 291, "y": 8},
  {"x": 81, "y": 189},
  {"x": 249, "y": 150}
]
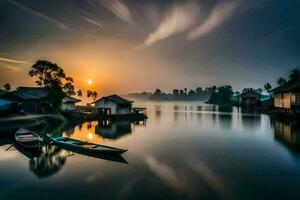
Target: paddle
[{"x": 10, "y": 147}]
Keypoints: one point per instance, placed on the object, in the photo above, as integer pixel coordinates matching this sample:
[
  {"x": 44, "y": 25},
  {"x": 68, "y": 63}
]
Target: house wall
[
  {"x": 283, "y": 100},
  {"x": 68, "y": 106},
  {"x": 123, "y": 111},
  {"x": 250, "y": 99},
  {"x": 107, "y": 104},
  {"x": 115, "y": 108}
]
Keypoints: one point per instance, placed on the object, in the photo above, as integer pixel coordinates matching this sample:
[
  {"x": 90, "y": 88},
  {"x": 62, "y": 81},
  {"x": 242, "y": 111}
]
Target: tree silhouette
[
  {"x": 79, "y": 93},
  {"x": 267, "y": 87},
  {"x": 221, "y": 95},
  {"x": 259, "y": 90},
  {"x": 53, "y": 77},
  {"x": 91, "y": 94},
  {"x": 281, "y": 81},
  {"x": 7, "y": 86},
  {"x": 95, "y": 94},
  {"x": 294, "y": 75},
  {"x": 175, "y": 92},
  {"x": 199, "y": 90}
]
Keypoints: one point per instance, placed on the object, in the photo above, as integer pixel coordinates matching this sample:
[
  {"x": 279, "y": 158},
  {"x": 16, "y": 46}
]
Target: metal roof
[
  {"x": 70, "y": 100},
  {"x": 31, "y": 92},
  {"x": 114, "y": 98},
  {"x": 4, "y": 103}
]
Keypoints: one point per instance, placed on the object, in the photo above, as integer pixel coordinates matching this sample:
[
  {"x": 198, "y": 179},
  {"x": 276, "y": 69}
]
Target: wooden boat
[
  {"x": 77, "y": 145},
  {"x": 27, "y": 138},
  {"x": 28, "y": 152}
]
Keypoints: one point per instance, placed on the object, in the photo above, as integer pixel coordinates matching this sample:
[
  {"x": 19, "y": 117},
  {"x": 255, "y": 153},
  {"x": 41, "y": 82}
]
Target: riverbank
[{"x": 12, "y": 123}]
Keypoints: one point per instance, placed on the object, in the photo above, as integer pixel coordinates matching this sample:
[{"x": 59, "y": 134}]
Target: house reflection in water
[
  {"x": 102, "y": 131},
  {"x": 288, "y": 134},
  {"x": 113, "y": 130}
]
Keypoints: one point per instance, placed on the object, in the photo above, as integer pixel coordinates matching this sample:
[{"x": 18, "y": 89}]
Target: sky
[{"x": 123, "y": 46}]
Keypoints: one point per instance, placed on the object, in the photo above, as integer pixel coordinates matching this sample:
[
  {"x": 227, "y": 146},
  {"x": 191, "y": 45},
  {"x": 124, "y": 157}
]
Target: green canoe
[{"x": 77, "y": 145}]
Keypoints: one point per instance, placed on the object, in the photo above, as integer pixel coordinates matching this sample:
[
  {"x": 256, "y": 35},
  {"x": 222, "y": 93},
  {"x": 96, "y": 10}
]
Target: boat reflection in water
[
  {"x": 49, "y": 159},
  {"x": 288, "y": 134},
  {"x": 49, "y": 162}
]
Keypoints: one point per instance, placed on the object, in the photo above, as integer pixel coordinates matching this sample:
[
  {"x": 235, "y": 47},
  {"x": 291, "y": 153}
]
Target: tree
[
  {"x": 7, "y": 86},
  {"x": 69, "y": 89},
  {"x": 175, "y": 92},
  {"x": 294, "y": 75},
  {"x": 192, "y": 93},
  {"x": 92, "y": 94},
  {"x": 52, "y": 77},
  {"x": 199, "y": 90},
  {"x": 259, "y": 90},
  {"x": 267, "y": 87},
  {"x": 89, "y": 93},
  {"x": 95, "y": 94},
  {"x": 221, "y": 95},
  {"x": 214, "y": 88},
  {"x": 79, "y": 93},
  {"x": 157, "y": 91},
  {"x": 281, "y": 81},
  {"x": 181, "y": 92}
]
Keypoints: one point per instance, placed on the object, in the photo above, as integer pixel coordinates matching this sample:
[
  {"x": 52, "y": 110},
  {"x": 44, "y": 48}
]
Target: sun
[{"x": 89, "y": 82}]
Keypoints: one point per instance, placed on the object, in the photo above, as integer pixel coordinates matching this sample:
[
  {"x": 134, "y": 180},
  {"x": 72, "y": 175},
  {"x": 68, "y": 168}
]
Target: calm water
[{"x": 183, "y": 151}]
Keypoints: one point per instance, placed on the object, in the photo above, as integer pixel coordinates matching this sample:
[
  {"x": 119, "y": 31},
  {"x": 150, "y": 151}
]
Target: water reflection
[
  {"x": 102, "y": 131},
  {"x": 113, "y": 130},
  {"x": 50, "y": 161},
  {"x": 288, "y": 134},
  {"x": 190, "y": 151}
]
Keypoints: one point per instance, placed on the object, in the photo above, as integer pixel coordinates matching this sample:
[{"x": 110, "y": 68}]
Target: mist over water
[{"x": 185, "y": 150}]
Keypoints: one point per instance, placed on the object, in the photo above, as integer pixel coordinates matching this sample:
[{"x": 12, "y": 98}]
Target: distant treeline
[{"x": 199, "y": 94}]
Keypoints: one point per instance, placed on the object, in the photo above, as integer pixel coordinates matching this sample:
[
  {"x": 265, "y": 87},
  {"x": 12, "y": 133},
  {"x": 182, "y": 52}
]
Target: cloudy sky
[{"x": 137, "y": 45}]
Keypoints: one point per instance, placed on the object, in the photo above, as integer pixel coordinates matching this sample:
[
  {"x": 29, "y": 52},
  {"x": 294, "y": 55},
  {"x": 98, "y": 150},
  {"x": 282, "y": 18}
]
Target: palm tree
[
  {"x": 281, "y": 81},
  {"x": 79, "y": 93},
  {"x": 267, "y": 87},
  {"x": 259, "y": 90},
  {"x": 294, "y": 75},
  {"x": 92, "y": 94},
  {"x": 95, "y": 94}
]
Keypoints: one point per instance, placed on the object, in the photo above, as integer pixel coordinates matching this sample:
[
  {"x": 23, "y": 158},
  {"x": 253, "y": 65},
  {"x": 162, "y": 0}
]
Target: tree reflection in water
[{"x": 51, "y": 160}]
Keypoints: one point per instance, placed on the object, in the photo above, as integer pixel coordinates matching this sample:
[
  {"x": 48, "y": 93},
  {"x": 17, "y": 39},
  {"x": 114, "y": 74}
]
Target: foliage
[
  {"x": 258, "y": 90},
  {"x": 221, "y": 95},
  {"x": 91, "y": 94},
  {"x": 7, "y": 86},
  {"x": 281, "y": 81},
  {"x": 267, "y": 87},
  {"x": 79, "y": 93},
  {"x": 294, "y": 75},
  {"x": 53, "y": 77}
]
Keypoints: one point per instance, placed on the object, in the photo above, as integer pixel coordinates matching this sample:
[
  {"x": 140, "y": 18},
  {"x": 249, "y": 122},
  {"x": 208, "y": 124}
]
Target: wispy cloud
[
  {"x": 91, "y": 21},
  {"x": 181, "y": 17},
  {"x": 8, "y": 68},
  {"x": 120, "y": 9},
  {"x": 12, "y": 60},
  {"x": 221, "y": 12},
  {"x": 38, "y": 14}
]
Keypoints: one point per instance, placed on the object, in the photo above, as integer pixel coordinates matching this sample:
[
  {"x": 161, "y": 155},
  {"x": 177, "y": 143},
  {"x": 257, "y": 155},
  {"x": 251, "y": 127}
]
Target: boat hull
[{"x": 74, "y": 147}]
